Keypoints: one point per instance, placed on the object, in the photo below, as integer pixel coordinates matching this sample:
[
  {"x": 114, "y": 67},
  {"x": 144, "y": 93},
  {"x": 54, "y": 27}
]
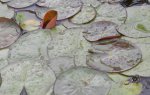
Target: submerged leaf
[{"x": 142, "y": 28}]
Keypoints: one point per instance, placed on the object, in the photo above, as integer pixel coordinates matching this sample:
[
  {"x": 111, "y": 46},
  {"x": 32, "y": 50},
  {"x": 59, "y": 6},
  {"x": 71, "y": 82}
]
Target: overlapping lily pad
[
  {"x": 111, "y": 12},
  {"x": 121, "y": 86},
  {"x": 58, "y": 3},
  {"x": 5, "y": 11},
  {"x": 94, "y": 3},
  {"x": 27, "y": 20},
  {"x": 69, "y": 42},
  {"x": 34, "y": 75},
  {"x": 101, "y": 30},
  {"x": 61, "y": 64},
  {"x": 29, "y": 45},
  {"x": 63, "y": 12},
  {"x": 118, "y": 56},
  {"x": 82, "y": 81},
  {"x": 138, "y": 21},
  {"x": 21, "y": 3},
  {"x": 87, "y": 14},
  {"x": 9, "y": 32}
]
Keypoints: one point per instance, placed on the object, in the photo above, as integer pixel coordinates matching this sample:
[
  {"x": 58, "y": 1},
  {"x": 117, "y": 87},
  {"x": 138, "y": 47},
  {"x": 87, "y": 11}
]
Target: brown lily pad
[
  {"x": 119, "y": 56},
  {"x": 101, "y": 30},
  {"x": 9, "y": 32}
]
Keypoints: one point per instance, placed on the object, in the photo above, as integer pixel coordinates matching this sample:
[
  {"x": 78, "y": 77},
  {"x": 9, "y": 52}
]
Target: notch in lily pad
[
  {"x": 49, "y": 20},
  {"x": 24, "y": 92}
]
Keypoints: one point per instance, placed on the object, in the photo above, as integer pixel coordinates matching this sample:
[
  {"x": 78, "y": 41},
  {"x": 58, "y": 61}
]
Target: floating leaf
[
  {"x": 27, "y": 20},
  {"x": 137, "y": 23},
  {"x": 87, "y": 14},
  {"x": 21, "y": 3},
  {"x": 34, "y": 75},
  {"x": 101, "y": 30},
  {"x": 116, "y": 57},
  {"x": 6, "y": 12},
  {"x": 49, "y": 20},
  {"x": 82, "y": 81},
  {"x": 9, "y": 32},
  {"x": 111, "y": 12}
]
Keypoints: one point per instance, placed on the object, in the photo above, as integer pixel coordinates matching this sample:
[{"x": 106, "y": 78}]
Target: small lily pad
[
  {"x": 21, "y": 3},
  {"x": 87, "y": 14},
  {"x": 27, "y": 20},
  {"x": 101, "y": 30}
]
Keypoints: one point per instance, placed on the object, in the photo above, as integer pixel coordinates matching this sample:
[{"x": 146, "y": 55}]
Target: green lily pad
[
  {"x": 34, "y": 75},
  {"x": 69, "y": 42},
  {"x": 137, "y": 23},
  {"x": 82, "y": 81}
]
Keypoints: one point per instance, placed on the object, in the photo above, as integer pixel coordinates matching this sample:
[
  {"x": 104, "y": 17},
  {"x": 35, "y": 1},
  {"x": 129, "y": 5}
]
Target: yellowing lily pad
[{"x": 27, "y": 20}]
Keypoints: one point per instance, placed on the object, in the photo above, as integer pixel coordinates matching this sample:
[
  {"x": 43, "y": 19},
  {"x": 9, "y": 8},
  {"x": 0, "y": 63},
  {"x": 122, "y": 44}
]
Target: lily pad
[
  {"x": 143, "y": 68},
  {"x": 63, "y": 12},
  {"x": 5, "y": 11},
  {"x": 34, "y": 75},
  {"x": 61, "y": 64},
  {"x": 87, "y": 14},
  {"x": 111, "y": 12},
  {"x": 21, "y": 3},
  {"x": 101, "y": 30},
  {"x": 27, "y": 20},
  {"x": 69, "y": 42},
  {"x": 118, "y": 56},
  {"x": 58, "y": 3},
  {"x": 82, "y": 81},
  {"x": 138, "y": 21},
  {"x": 94, "y": 3},
  {"x": 121, "y": 85},
  {"x": 29, "y": 46},
  {"x": 9, "y": 32},
  {"x": 3, "y": 58}
]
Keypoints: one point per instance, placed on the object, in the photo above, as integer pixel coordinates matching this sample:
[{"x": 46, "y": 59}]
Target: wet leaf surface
[
  {"x": 101, "y": 30},
  {"x": 80, "y": 81},
  {"x": 9, "y": 32},
  {"x": 118, "y": 56},
  {"x": 104, "y": 36}
]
